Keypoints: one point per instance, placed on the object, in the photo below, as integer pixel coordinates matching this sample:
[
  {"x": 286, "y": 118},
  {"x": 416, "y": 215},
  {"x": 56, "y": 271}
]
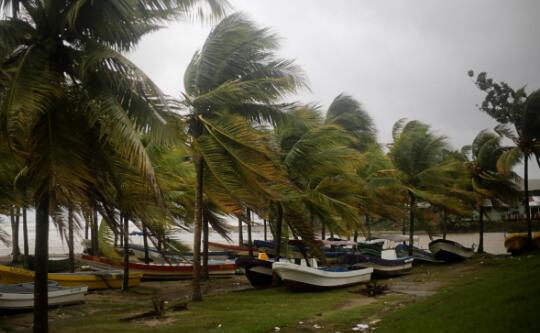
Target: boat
[
  {"x": 419, "y": 255},
  {"x": 21, "y": 296},
  {"x": 154, "y": 271},
  {"x": 301, "y": 277},
  {"x": 381, "y": 267},
  {"x": 258, "y": 272},
  {"x": 54, "y": 265},
  {"x": 375, "y": 244},
  {"x": 234, "y": 249},
  {"x": 167, "y": 256},
  {"x": 450, "y": 251},
  {"x": 100, "y": 279},
  {"x": 517, "y": 243}
]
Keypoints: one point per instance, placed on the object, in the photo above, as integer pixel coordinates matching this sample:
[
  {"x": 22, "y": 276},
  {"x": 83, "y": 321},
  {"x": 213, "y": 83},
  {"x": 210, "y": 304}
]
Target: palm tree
[
  {"x": 232, "y": 83},
  {"x": 522, "y": 111},
  {"x": 64, "y": 74},
  {"x": 488, "y": 185},
  {"x": 417, "y": 155}
]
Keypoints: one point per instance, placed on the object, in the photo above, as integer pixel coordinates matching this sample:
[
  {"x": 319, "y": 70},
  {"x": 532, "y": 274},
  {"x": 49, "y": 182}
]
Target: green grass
[{"x": 505, "y": 298}]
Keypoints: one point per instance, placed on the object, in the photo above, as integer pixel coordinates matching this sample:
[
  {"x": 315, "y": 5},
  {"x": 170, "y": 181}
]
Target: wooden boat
[
  {"x": 54, "y": 265},
  {"x": 21, "y": 296},
  {"x": 165, "y": 256},
  {"x": 375, "y": 244},
  {"x": 234, "y": 249},
  {"x": 300, "y": 277},
  {"x": 109, "y": 279},
  {"x": 165, "y": 272},
  {"x": 450, "y": 251},
  {"x": 381, "y": 267},
  {"x": 258, "y": 272},
  {"x": 517, "y": 243},
  {"x": 419, "y": 255}
]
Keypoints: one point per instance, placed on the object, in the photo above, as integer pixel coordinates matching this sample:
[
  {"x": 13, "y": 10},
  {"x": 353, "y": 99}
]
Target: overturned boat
[
  {"x": 21, "y": 296},
  {"x": 419, "y": 255},
  {"x": 382, "y": 267},
  {"x": 450, "y": 251},
  {"x": 301, "y": 277}
]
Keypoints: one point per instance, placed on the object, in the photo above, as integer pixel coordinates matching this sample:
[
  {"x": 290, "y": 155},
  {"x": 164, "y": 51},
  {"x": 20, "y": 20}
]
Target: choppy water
[{"x": 493, "y": 241}]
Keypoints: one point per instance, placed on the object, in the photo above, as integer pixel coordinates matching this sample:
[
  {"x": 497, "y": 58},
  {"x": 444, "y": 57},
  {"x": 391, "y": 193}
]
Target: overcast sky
[{"x": 398, "y": 58}]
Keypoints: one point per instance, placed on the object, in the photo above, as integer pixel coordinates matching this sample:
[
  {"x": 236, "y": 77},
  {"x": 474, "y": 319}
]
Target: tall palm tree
[
  {"x": 417, "y": 155},
  {"x": 231, "y": 84},
  {"x": 486, "y": 182},
  {"x": 64, "y": 73},
  {"x": 521, "y": 111}
]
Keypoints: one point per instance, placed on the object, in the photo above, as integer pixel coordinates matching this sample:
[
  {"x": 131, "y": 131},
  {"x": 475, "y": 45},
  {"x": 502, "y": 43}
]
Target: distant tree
[{"x": 514, "y": 108}]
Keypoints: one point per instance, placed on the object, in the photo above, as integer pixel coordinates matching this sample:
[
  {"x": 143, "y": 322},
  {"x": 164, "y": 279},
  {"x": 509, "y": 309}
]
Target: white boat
[
  {"x": 449, "y": 251},
  {"x": 21, "y": 296},
  {"x": 302, "y": 277}
]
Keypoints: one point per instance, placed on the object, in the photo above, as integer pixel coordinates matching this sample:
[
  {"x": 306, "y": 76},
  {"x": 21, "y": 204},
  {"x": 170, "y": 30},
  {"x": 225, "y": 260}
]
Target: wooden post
[{"x": 125, "y": 284}]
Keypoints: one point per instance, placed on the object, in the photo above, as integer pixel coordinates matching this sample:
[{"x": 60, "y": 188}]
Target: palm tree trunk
[
  {"x": 41, "y": 257},
  {"x": 323, "y": 232},
  {"x": 125, "y": 284},
  {"x": 277, "y": 241},
  {"x": 444, "y": 224},
  {"x": 121, "y": 231},
  {"x": 86, "y": 227},
  {"x": 204, "y": 273},
  {"x": 411, "y": 222},
  {"x": 250, "y": 241},
  {"x": 481, "y": 241},
  {"x": 368, "y": 227},
  {"x": 25, "y": 231},
  {"x": 355, "y": 237},
  {"x": 240, "y": 233},
  {"x": 95, "y": 225},
  {"x": 197, "y": 295},
  {"x": 16, "y": 251},
  {"x": 265, "y": 231},
  {"x": 71, "y": 241},
  {"x": 145, "y": 243},
  {"x": 527, "y": 207}
]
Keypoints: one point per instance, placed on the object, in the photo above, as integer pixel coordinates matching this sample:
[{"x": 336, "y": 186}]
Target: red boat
[
  {"x": 165, "y": 272},
  {"x": 238, "y": 250}
]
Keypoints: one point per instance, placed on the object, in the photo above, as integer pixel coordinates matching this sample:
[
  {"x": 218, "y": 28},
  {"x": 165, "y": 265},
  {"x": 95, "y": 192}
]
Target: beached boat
[
  {"x": 450, "y": 251},
  {"x": 375, "y": 244},
  {"x": 164, "y": 256},
  {"x": 104, "y": 279},
  {"x": 381, "y": 267},
  {"x": 258, "y": 272},
  {"x": 54, "y": 265},
  {"x": 517, "y": 243},
  {"x": 419, "y": 255},
  {"x": 164, "y": 271},
  {"x": 300, "y": 277},
  {"x": 21, "y": 296},
  {"x": 234, "y": 249}
]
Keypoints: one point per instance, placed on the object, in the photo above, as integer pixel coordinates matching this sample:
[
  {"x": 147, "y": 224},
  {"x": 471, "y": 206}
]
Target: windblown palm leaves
[
  {"x": 232, "y": 84},
  {"x": 486, "y": 182},
  {"x": 418, "y": 156}
]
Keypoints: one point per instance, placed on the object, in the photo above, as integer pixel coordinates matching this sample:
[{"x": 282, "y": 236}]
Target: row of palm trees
[{"x": 86, "y": 134}]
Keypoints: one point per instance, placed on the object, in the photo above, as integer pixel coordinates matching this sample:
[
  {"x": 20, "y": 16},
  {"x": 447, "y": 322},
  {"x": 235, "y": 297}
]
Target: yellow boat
[
  {"x": 93, "y": 280},
  {"x": 517, "y": 243}
]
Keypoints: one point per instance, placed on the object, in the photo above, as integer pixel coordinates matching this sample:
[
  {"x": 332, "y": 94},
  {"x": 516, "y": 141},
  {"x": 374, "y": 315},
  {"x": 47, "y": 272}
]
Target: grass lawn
[{"x": 505, "y": 298}]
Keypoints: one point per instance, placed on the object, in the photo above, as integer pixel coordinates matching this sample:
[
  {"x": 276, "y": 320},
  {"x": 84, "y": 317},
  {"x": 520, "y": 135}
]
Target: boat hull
[
  {"x": 449, "y": 251},
  {"x": 382, "y": 268},
  {"x": 56, "y": 296},
  {"x": 152, "y": 272},
  {"x": 258, "y": 272},
  {"x": 303, "y": 278},
  {"x": 92, "y": 280},
  {"x": 419, "y": 255},
  {"x": 517, "y": 243}
]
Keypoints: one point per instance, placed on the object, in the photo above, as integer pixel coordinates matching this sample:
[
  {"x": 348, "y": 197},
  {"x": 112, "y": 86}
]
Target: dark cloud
[{"x": 399, "y": 58}]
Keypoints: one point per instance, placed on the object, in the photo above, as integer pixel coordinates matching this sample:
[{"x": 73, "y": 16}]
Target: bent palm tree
[
  {"x": 232, "y": 83},
  {"x": 64, "y": 74}
]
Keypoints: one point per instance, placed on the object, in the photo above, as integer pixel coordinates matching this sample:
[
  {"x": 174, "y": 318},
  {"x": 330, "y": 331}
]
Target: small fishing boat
[
  {"x": 164, "y": 271},
  {"x": 54, "y": 265},
  {"x": 375, "y": 244},
  {"x": 165, "y": 256},
  {"x": 301, "y": 277},
  {"x": 234, "y": 249},
  {"x": 21, "y": 296},
  {"x": 450, "y": 251},
  {"x": 100, "y": 279},
  {"x": 381, "y": 267},
  {"x": 258, "y": 272},
  {"x": 517, "y": 243},
  {"x": 419, "y": 255}
]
